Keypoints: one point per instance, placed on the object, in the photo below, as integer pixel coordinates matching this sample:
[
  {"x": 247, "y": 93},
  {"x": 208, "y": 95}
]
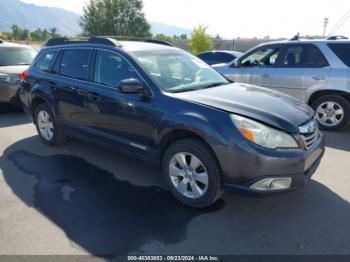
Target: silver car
[
  {"x": 314, "y": 71},
  {"x": 14, "y": 59}
]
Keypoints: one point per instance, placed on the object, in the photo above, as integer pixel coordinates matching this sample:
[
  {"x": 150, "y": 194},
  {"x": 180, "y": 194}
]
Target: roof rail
[
  {"x": 337, "y": 37},
  {"x": 82, "y": 40},
  {"x": 139, "y": 39}
]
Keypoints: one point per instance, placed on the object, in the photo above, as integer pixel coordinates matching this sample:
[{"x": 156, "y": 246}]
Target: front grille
[
  {"x": 310, "y": 139},
  {"x": 309, "y": 133}
]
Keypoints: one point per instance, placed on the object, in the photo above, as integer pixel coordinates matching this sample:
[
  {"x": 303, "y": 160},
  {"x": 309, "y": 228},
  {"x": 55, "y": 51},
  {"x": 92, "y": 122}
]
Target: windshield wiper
[
  {"x": 182, "y": 90},
  {"x": 214, "y": 85}
]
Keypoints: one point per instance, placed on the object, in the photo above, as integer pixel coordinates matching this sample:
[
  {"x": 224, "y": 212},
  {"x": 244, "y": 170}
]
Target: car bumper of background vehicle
[
  {"x": 9, "y": 94},
  {"x": 257, "y": 164}
]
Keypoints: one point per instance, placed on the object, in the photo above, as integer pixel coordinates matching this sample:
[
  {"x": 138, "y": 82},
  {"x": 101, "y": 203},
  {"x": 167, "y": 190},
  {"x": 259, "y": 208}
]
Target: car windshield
[
  {"x": 178, "y": 71},
  {"x": 11, "y": 56}
]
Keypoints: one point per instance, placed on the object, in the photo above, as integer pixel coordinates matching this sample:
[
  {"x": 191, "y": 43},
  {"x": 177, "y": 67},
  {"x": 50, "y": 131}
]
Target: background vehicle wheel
[
  {"x": 332, "y": 112},
  {"x": 47, "y": 127},
  {"x": 192, "y": 173}
]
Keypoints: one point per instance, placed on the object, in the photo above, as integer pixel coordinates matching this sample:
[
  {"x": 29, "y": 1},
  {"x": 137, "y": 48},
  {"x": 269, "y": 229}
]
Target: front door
[
  {"x": 126, "y": 119},
  {"x": 258, "y": 67}
]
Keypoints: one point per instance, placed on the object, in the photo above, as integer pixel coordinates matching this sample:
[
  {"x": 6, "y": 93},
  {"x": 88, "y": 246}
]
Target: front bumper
[{"x": 250, "y": 163}]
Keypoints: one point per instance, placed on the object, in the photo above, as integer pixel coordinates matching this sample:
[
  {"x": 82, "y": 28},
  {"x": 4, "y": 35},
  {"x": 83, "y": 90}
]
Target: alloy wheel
[
  {"x": 188, "y": 175},
  {"x": 330, "y": 113},
  {"x": 45, "y": 125}
]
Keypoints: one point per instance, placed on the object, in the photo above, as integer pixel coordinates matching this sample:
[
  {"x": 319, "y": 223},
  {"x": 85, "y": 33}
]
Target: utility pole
[
  {"x": 325, "y": 24},
  {"x": 233, "y": 44}
]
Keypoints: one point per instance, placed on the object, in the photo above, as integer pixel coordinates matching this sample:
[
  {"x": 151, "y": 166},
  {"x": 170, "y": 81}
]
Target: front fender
[{"x": 213, "y": 126}]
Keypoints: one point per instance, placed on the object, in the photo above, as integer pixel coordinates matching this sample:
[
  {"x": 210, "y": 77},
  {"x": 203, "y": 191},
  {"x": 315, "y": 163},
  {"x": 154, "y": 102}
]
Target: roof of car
[
  {"x": 308, "y": 41},
  {"x": 133, "y": 46},
  {"x": 14, "y": 45},
  {"x": 222, "y": 51},
  {"x": 129, "y": 44}
]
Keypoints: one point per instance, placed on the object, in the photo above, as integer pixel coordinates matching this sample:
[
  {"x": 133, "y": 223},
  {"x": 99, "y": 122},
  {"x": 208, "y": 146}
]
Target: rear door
[
  {"x": 70, "y": 77},
  {"x": 302, "y": 67},
  {"x": 257, "y": 67}
]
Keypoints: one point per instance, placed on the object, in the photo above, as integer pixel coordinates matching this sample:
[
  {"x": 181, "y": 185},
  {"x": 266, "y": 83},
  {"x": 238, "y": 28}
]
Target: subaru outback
[{"x": 159, "y": 102}]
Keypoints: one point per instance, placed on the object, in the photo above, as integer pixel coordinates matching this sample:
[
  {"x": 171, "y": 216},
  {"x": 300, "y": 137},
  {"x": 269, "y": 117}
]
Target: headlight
[
  {"x": 263, "y": 135},
  {"x": 11, "y": 79}
]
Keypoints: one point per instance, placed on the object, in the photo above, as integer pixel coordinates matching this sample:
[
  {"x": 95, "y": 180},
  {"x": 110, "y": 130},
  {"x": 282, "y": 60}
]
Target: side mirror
[
  {"x": 235, "y": 63},
  {"x": 131, "y": 86}
]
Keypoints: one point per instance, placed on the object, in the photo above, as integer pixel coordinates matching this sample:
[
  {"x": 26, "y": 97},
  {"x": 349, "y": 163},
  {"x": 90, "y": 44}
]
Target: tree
[
  {"x": 115, "y": 17},
  {"x": 53, "y": 33},
  {"x": 183, "y": 36},
  {"x": 200, "y": 41},
  {"x": 16, "y": 32},
  {"x": 24, "y": 34}
]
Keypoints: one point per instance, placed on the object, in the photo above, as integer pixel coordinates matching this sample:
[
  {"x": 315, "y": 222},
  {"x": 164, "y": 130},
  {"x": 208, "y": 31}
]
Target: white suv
[{"x": 315, "y": 71}]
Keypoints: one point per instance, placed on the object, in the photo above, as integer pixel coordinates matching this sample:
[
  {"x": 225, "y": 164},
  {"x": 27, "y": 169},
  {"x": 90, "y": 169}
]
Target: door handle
[
  {"x": 82, "y": 92},
  {"x": 318, "y": 78},
  {"x": 265, "y": 76},
  {"x": 52, "y": 84},
  {"x": 94, "y": 97}
]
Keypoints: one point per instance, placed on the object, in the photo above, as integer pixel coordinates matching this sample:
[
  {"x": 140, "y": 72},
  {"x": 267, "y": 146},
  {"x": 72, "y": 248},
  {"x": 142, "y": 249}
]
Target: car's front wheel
[
  {"x": 192, "y": 173},
  {"x": 332, "y": 112},
  {"x": 47, "y": 127}
]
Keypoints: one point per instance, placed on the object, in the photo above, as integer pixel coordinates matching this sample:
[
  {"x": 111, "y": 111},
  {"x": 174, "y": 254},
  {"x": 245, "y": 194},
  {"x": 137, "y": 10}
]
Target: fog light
[{"x": 270, "y": 184}]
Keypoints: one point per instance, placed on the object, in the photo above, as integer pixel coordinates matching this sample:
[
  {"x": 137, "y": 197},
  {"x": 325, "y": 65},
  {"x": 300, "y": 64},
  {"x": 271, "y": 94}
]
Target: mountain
[
  {"x": 160, "y": 28},
  {"x": 31, "y": 17}
]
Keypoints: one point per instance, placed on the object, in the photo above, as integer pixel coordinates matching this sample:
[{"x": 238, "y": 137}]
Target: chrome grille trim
[{"x": 309, "y": 139}]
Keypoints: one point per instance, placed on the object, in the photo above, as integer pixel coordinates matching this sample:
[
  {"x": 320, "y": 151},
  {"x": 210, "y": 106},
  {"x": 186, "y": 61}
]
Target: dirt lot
[{"x": 84, "y": 199}]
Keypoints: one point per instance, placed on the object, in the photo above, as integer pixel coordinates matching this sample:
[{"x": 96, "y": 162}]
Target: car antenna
[{"x": 295, "y": 38}]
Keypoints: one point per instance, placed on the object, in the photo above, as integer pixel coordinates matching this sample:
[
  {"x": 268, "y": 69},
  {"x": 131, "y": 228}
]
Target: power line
[{"x": 340, "y": 22}]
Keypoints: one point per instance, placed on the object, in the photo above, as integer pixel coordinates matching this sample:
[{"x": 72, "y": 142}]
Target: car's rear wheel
[
  {"x": 192, "y": 173},
  {"x": 332, "y": 112},
  {"x": 47, "y": 127}
]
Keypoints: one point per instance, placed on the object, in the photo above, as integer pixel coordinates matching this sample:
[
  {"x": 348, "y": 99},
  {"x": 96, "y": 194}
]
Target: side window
[
  {"x": 45, "y": 61},
  {"x": 264, "y": 57},
  {"x": 224, "y": 58},
  {"x": 342, "y": 51},
  {"x": 111, "y": 68},
  {"x": 205, "y": 56},
  {"x": 306, "y": 56},
  {"x": 208, "y": 58},
  {"x": 74, "y": 63}
]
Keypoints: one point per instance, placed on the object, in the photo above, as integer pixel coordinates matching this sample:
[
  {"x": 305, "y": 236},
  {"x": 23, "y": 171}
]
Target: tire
[
  {"x": 56, "y": 137},
  {"x": 325, "y": 103},
  {"x": 198, "y": 194}
]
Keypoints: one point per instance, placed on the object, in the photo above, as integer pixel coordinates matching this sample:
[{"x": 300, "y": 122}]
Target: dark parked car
[
  {"x": 222, "y": 57},
  {"x": 166, "y": 105},
  {"x": 14, "y": 59}
]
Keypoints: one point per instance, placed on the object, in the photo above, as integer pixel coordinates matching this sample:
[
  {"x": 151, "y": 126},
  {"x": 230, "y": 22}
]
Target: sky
[{"x": 239, "y": 18}]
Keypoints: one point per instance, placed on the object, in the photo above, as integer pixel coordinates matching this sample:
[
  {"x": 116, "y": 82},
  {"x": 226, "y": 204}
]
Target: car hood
[
  {"x": 265, "y": 105},
  {"x": 13, "y": 70}
]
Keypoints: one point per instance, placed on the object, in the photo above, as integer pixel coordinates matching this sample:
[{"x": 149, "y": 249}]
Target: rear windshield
[
  {"x": 342, "y": 50},
  {"x": 11, "y": 56}
]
